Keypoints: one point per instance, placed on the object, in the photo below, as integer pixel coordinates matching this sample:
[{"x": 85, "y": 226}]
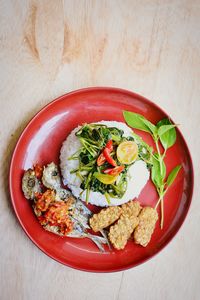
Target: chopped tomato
[
  {"x": 109, "y": 158},
  {"x": 114, "y": 171},
  {"x": 38, "y": 171},
  {"x": 101, "y": 160}
]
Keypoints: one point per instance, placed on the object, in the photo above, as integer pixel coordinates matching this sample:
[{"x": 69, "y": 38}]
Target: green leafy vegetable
[
  {"x": 139, "y": 122},
  {"x": 93, "y": 138},
  {"x": 158, "y": 175},
  {"x": 167, "y": 134},
  {"x": 164, "y": 132},
  {"x": 164, "y": 129},
  {"x": 173, "y": 174}
]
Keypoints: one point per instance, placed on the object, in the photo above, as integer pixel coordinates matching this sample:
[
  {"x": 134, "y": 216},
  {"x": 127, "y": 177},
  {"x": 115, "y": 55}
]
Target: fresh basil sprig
[{"x": 165, "y": 133}]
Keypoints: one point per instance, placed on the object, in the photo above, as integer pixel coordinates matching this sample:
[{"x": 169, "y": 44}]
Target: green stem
[
  {"x": 160, "y": 156},
  {"x": 163, "y": 155},
  {"x": 159, "y": 200},
  {"x": 162, "y": 213},
  {"x": 107, "y": 197},
  {"x": 87, "y": 195}
]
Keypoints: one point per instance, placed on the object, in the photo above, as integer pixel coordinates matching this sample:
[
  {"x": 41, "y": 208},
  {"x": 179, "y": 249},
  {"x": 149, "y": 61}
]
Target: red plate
[{"x": 41, "y": 141}]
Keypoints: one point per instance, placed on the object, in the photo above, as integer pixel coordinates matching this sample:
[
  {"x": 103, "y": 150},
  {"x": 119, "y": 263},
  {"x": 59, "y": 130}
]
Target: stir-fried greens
[{"x": 100, "y": 168}]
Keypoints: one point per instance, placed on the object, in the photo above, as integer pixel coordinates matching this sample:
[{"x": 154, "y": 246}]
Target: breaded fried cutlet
[
  {"x": 121, "y": 231},
  {"x": 147, "y": 221},
  {"x": 132, "y": 208},
  {"x": 105, "y": 218}
]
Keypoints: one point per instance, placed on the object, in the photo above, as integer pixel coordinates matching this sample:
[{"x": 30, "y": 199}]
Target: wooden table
[{"x": 48, "y": 48}]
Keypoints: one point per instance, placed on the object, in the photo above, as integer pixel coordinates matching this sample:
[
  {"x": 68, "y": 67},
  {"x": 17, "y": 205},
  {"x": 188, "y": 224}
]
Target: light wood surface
[{"x": 48, "y": 48}]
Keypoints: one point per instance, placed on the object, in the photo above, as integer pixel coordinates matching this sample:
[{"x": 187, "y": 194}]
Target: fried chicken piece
[
  {"x": 132, "y": 208},
  {"x": 121, "y": 231},
  {"x": 147, "y": 221},
  {"x": 105, "y": 218}
]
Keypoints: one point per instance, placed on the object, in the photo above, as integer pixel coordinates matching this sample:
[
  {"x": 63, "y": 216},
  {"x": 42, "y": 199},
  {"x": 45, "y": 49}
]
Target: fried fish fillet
[
  {"x": 131, "y": 208},
  {"x": 105, "y": 218},
  {"x": 147, "y": 221},
  {"x": 121, "y": 231}
]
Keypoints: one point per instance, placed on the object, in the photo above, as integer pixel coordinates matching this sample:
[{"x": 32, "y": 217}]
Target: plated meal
[
  {"x": 107, "y": 165},
  {"x": 108, "y": 179}
]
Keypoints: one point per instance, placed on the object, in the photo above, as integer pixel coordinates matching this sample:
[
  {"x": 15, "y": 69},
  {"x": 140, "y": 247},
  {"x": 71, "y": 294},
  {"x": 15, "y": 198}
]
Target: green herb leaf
[
  {"x": 164, "y": 128},
  {"x": 173, "y": 174},
  {"x": 138, "y": 121},
  {"x": 158, "y": 175},
  {"x": 166, "y": 133}
]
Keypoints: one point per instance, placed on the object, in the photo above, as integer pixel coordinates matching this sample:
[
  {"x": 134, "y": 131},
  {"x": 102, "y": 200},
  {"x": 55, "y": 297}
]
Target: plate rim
[{"x": 60, "y": 98}]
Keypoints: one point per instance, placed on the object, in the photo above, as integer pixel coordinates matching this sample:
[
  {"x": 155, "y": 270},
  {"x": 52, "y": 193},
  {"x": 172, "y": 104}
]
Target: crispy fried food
[
  {"x": 105, "y": 218},
  {"x": 147, "y": 221},
  {"x": 121, "y": 231},
  {"x": 132, "y": 208}
]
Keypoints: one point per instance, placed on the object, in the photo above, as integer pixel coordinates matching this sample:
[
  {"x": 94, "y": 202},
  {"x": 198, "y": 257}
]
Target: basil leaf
[
  {"x": 167, "y": 134},
  {"x": 173, "y": 174},
  {"x": 151, "y": 126},
  {"x": 138, "y": 121},
  {"x": 164, "y": 128},
  {"x": 158, "y": 175}
]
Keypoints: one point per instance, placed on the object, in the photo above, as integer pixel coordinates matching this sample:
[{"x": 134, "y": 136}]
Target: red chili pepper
[
  {"x": 101, "y": 160},
  {"x": 109, "y": 158},
  {"x": 109, "y": 145},
  {"x": 114, "y": 171}
]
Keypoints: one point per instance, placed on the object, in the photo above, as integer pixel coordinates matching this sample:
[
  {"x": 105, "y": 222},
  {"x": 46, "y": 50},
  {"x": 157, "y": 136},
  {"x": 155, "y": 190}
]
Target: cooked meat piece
[
  {"x": 105, "y": 217},
  {"x": 132, "y": 208},
  {"x": 121, "y": 231},
  {"x": 147, "y": 221},
  {"x": 30, "y": 184}
]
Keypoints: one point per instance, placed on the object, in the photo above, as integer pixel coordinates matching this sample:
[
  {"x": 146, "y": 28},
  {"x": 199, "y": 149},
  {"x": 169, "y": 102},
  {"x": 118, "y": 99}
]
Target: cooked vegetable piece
[
  {"x": 101, "y": 160},
  {"x": 105, "y": 178},
  {"x": 97, "y": 156},
  {"x": 109, "y": 145},
  {"x": 114, "y": 171},
  {"x": 108, "y": 157}
]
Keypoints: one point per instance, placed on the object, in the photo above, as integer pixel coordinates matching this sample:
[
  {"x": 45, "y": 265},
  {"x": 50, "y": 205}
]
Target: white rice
[{"x": 137, "y": 177}]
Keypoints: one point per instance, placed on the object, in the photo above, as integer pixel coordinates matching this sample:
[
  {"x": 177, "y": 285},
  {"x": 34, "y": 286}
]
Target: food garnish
[
  {"x": 114, "y": 171},
  {"x": 165, "y": 133},
  {"x": 104, "y": 159},
  {"x": 127, "y": 152}
]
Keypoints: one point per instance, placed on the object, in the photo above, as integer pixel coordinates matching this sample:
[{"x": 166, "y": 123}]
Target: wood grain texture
[{"x": 48, "y": 48}]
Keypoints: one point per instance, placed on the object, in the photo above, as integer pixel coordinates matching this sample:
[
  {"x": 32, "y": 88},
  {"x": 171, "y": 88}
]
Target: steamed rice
[{"x": 138, "y": 173}]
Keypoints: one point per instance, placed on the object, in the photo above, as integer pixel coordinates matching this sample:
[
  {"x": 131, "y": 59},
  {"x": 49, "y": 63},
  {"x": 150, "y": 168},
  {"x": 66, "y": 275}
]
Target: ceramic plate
[{"x": 40, "y": 143}]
